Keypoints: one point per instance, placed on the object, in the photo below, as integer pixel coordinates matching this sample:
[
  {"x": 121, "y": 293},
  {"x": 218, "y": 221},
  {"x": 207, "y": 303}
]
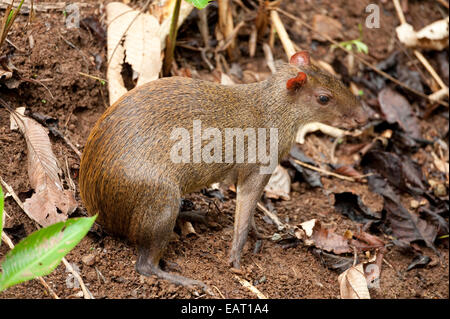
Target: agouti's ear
[
  {"x": 296, "y": 83},
  {"x": 301, "y": 58}
]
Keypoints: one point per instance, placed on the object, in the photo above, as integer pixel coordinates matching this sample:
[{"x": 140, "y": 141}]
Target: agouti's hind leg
[{"x": 156, "y": 224}]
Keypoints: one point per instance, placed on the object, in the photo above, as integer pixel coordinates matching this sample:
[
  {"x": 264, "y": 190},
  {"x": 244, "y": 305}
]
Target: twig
[
  {"x": 229, "y": 40},
  {"x": 282, "y": 33},
  {"x": 269, "y": 57},
  {"x": 220, "y": 293},
  {"x": 250, "y": 287},
  {"x": 317, "y": 169},
  {"x": 362, "y": 60},
  {"x": 87, "y": 294},
  {"x": 433, "y": 73},
  {"x": 444, "y": 89},
  {"x": 203, "y": 26},
  {"x": 93, "y": 77},
  {"x": 226, "y": 25},
  {"x": 43, "y": 7},
  {"x": 40, "y": 83},
  {"x": 13, "y": 195},
  {"x": 273, "y": 217}
]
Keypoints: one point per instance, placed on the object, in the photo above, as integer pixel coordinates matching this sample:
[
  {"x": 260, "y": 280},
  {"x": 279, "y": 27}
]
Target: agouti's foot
[
  {"x": 234, "y": 261},
  {"x": 147, "y": 270}
]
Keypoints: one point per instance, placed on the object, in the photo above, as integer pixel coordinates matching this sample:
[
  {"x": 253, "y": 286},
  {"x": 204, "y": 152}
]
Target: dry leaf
[
  {"x": 353, "y": 283},
  {"x": 440, "y": 164},
  {"x": 5, "y": 75},
  {"x": 12, "y": 123},
  {"x": 225, "y": 79},
  {"x": 187, "y": 229},
  {"x": 279, "y": 185},
  {"x": 432, "y": 37},
  {"x": 324, "y": 238},
  {"x": 50, "y": 203},
  {"x": 141, "y": 47}
]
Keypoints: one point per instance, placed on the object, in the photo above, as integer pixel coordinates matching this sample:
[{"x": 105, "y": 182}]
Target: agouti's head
[{"x": 318, "y": 96}]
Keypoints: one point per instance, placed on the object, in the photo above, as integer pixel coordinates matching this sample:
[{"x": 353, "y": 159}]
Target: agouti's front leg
[{"x": 248, "y": 192}]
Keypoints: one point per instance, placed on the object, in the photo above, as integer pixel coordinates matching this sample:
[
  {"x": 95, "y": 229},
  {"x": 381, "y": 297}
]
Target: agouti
[{"x": 133, "y": 178}]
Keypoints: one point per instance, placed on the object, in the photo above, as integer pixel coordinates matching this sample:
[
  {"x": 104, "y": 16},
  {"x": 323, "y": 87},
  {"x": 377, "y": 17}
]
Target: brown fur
[{"x": 126, "y": 173}]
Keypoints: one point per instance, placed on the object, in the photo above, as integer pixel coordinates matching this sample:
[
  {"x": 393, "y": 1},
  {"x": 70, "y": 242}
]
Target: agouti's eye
[{"x": 323, "y": 99}]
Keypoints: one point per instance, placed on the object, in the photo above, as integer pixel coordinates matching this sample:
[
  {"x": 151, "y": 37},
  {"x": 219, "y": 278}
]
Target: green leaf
[
  {"x": 348, "y": 46},
  {"x": 1, "y": 213},
  {"x": 42, "y": 251},
  {"x": 199, "y": 4},
  {"x": 361, "y": 46}
]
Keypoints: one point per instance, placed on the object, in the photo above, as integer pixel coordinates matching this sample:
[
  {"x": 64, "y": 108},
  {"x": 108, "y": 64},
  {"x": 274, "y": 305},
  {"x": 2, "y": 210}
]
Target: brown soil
[{"x": 294, "y": 272}]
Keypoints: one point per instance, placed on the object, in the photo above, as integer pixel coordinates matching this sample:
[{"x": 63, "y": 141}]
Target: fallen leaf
[
  {"x": 432, "y": 37},
  {"x": 310, "y": 176},
  {"x": 396, "y": 109},
  {"x": 406, "y": 227},
  {"x": 409, "y": 227},
  {"x": 418, "y": 262},
  {"x": 279, "y": 185},
  {"x": 332, "y": 261},
  {"x": 140, "y": 46},
  {"x": 326, "y": 239},
  {"x": 353, "y": 283},
  {"x": 400, "y": 171},
  {"x": 50, "y": 203},
  {"x": 351, "y": 205}
]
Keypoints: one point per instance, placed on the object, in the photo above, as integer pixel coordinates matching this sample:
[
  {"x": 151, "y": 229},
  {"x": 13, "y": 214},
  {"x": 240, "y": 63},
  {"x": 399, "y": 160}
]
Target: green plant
[
  {"x": 172, "y": 37},
  {"x": 357, "y": 43},
  {"x": 8, "y": 20},
  {"x": 42, "y": 251}
]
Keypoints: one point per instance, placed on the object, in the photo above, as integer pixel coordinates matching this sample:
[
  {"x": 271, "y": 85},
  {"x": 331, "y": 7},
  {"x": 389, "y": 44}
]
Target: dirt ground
[{"x": 57, "y": 58}]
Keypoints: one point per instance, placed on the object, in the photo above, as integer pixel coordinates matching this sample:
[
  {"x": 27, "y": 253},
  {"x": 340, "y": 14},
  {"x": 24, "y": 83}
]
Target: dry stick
[
  {"x": 92, "y": 77},
  {"x": 362, "y": 60},
  {"x": 273, "y": 217},
  {"x": 269, "y": 58},
  {"x": 38, "y": 82},
  {"x": 444, "y": 89},
  {"x": 346, "y": 178},
  {"x": 250, "y": 287},
  {"x": 282, "y": 33},
  {"x": 44, "y": 7},
  {"x": 226, "y": 25},
  {"x": 230, "y": 38},
  {"x": 86, "y": 292},
  {"x": 220, "y": 293},
  {"x": 203, "y": 26}
]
